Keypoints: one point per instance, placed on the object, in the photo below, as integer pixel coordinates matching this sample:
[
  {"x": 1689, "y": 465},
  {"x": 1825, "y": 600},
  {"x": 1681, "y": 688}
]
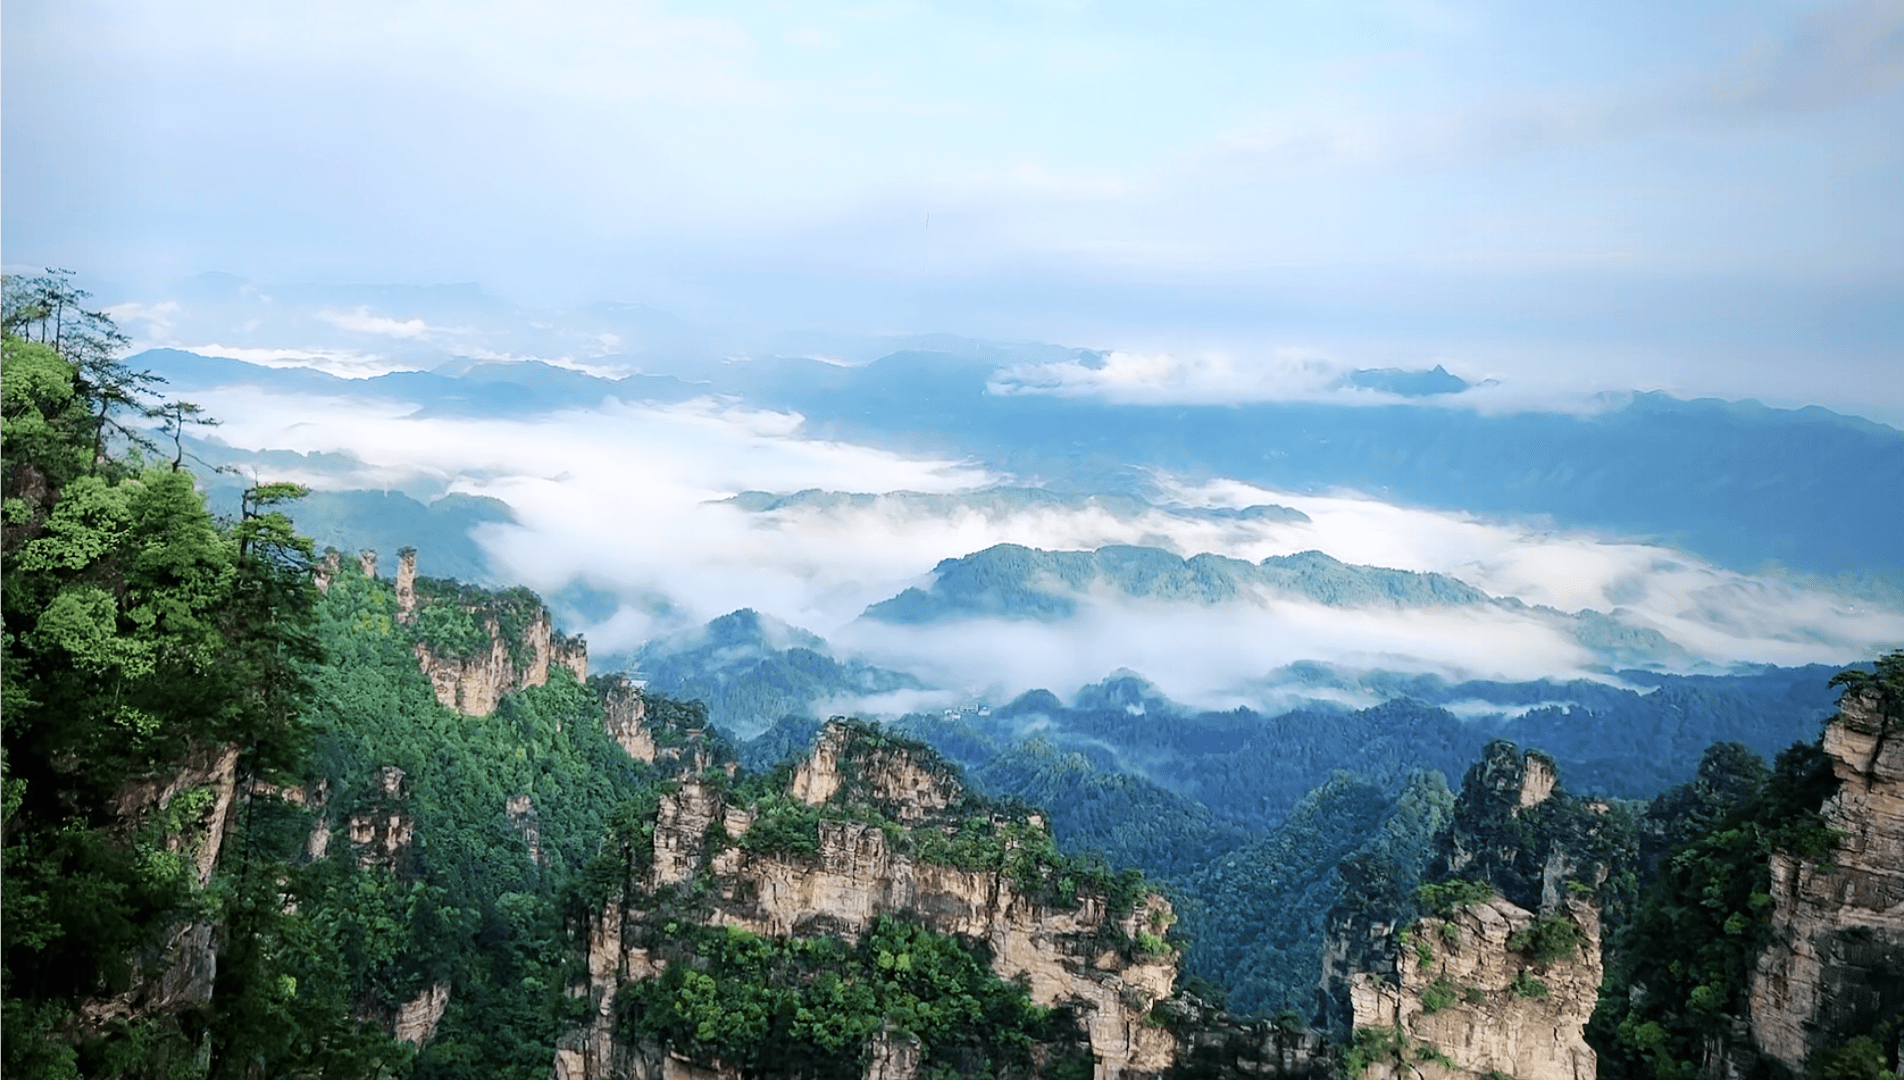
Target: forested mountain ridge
[{"x": 1010, "y": 581}]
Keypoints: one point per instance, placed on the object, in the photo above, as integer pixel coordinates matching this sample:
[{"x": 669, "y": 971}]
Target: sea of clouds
[{"x": 629, "y": 499}]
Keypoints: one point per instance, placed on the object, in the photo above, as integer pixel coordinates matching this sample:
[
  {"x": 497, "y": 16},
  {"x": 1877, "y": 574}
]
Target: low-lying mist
[{"x": 632, "y": 500}]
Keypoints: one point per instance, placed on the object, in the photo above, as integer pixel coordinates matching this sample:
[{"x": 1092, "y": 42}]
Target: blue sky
[{"x": 1703, "y": 197}]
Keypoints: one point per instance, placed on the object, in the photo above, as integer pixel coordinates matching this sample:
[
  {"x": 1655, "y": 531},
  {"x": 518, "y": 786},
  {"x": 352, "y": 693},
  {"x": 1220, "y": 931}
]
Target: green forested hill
[
  {"x": 240, "y": 831},
  {"x": 464, "y": 901},
  {"x": 155, "y": 660},
  {"x": 1015, "y": 582}
]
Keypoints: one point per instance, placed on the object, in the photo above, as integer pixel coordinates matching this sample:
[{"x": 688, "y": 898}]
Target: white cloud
[
  {"x": 1213, "y": 657},
  {"x": 1164, "y": 378},
  {"x": 363, "y": 321},
  {"x": 344, "y": 363},
  {"x": 1275, "y": 373},
  {"x": 626, "y": 497}
]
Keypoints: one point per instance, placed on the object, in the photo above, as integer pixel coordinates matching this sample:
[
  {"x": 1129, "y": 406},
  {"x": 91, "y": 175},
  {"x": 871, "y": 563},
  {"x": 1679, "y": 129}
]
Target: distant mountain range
[
  {"x": 1735, "y": 482},
  {"x": 1631, "y": 735},
  {"x": 1001, "y": 501},
  {"x": 1009, "y": 581}
]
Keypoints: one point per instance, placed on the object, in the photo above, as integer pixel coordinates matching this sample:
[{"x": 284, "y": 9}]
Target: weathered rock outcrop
[
  {"x": 858, "y": 873},
  {"x": 406, "y": 585},
  {"x": 381, "y": 834},
  {"x": 473, "y": 684},
  {"x": 890, "y": 779},
  {"x": 1212, "y": 1043},
  {"x": 177, "y": 971},
  {"x": 1506, "y": 985},
  {"x": 326, "y": 569},
  {"x": 1835, "y": 966},
  {"x": 416, "y": 1021},
  {"x": 1516, "y": 829},
  {"x": 625, "y": 713},
  {"x": 1469, "y": 997},
  {"x": 523, "y": 818}
]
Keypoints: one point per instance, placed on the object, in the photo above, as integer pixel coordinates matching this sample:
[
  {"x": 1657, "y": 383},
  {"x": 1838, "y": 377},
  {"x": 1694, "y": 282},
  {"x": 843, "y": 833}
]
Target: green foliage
[
  {"x": 1449, "y": 933},
  {"x": 1256, "y": 918},
  {"x": 808, "y": 1006},
  {"x": 783, "y": 826},
  {"x": 1549, "y": 938},
  {"x": 1439, "y": 994},
  {"x": 1861, "y": 1058},
  {"x": 1693, "y": 942},
  {"x": 1526, "y": 986},
  {"x": 451, "y": 632},
  {"x": 1446, "y": 897},
  {"x": 1372, "y": 1045},
  {"x": 144, "y": 642}
]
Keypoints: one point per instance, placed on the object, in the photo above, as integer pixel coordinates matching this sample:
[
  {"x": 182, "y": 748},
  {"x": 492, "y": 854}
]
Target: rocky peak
[
  {"x": 406, "y": 585},
  {"x": 380, "y": 834},
  {"x": 1832, "y": 968},
  {"x": 1506, "y": 778},
  {"x": 471, "y": 677},
  {"x": 673, "y": 736},
  {"x": 886, "y": 842},
  {"x": 859, "y": 764},
  {"x": 625, "y": 712},
  {"x": 325, "y": 570},
  {"x": 1503, "y": 973},
  {"x": 1484, "y": 989},
  {"x": 1517, "y": 829}
]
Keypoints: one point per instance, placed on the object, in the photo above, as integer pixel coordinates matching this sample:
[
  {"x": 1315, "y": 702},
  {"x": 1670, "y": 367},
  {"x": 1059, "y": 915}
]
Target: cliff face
[
  {"x": 1835, "y": 966},
  {"x": 625, "y": 712},
  {"x": 1517, "y": 830},
  {"x": 1503, "y": 985},
  {"x": 381, "y": 835},
  {"x": 177, "y": 971},
  {"x": 473, "y": 684},
  {"x": 1472, "y": 996},
  {"x": 857, "y": 872}
]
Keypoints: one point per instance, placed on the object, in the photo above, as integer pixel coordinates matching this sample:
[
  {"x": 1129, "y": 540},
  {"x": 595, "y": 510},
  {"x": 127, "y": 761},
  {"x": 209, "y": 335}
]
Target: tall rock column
[
  {"x": 406, "y": 585},
  {"x": 1835, "y": 967},
  {"x": 1474, "y": 995}
]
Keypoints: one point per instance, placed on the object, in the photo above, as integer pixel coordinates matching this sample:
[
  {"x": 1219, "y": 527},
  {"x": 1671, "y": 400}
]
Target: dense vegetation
[
  {"x": 1682, "y": 965},
  {"x": 1257, "y": 917},
  {"x": 468, "y": 900},
  {"x": 142, "y": 639},
  {"x": 806, "y": 1007}
]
